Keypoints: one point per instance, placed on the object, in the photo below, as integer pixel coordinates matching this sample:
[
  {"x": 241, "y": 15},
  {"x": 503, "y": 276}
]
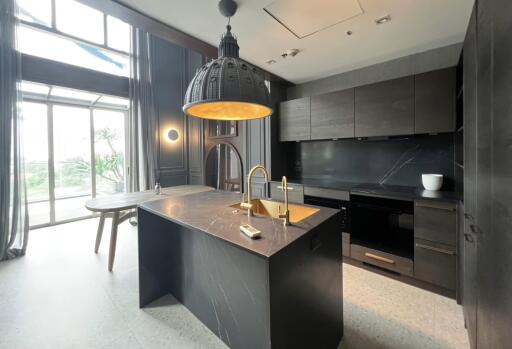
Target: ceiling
[{"x": 416, "y": 26}]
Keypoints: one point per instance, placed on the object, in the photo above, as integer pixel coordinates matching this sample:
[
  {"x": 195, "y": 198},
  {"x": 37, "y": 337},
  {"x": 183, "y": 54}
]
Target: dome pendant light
[{"x": 228, "y": 88}]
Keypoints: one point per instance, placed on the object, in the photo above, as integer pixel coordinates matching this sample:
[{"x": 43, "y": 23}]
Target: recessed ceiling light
[{"x": 383, "y": 19}]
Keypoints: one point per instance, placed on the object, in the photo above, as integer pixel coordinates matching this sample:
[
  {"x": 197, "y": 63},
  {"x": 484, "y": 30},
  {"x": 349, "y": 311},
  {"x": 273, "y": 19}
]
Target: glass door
[
  {"x": 72, "y": 161},
  {"x": 74, "y": 144},
  {"x": 35, "y": 137},
  {"x": 109, "y": 151}
]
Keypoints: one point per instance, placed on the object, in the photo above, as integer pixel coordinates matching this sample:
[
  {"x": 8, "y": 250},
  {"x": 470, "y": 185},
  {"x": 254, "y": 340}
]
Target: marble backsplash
[{"x": 393, "y": 161}]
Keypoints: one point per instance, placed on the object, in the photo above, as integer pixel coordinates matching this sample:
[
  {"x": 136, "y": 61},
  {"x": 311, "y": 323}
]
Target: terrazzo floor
[{"x": 60, "y": 295}]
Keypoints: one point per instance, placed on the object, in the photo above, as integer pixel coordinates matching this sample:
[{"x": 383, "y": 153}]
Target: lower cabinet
[{"x": 435, "y": 263}]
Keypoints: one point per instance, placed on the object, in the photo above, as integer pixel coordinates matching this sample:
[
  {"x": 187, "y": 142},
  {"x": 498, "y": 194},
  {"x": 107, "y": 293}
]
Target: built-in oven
[
  {"x": 382, "y": 232},
  {"x": 344, "y": 207}
]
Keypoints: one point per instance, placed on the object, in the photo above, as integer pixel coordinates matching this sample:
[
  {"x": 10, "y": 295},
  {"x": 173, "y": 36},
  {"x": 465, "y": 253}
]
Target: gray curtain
[
  {"x": 13, "y": 198},
  {"x": 143, "y": 123}
]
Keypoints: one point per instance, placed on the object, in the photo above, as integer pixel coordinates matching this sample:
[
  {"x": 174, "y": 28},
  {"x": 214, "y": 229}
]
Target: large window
[
  {"x": 75, "y": 146},
  {"x": 70, "y": 32}
]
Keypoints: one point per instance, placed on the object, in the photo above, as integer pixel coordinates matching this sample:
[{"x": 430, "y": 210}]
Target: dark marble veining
[
  {"x": 391, "y": 191},
  {"x": 284, "y": 290},
  {"x": 403, "y": 192},
  {"x": 396, "y": 161},
  {"x": 210, "y": 213}
]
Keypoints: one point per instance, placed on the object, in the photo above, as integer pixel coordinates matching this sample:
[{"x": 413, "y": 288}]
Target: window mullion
[
  {"x": 105, "y": 31},
  {"x": 93, "y": 155},
  {"x": 54, "y": 15},
  {"x": 51, "y": 162}
]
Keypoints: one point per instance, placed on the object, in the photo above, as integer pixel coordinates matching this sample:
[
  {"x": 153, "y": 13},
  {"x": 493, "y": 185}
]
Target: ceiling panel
[
  {"x": 416, "y": 26},
  {"x": 305, "y": 17}
]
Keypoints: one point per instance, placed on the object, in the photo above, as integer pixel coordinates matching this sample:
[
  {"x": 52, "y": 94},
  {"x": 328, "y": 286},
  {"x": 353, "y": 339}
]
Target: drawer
[
  {"x": 381, "y": 259},
  {"x": 345, "y": 237},
  {"x": 435, "y": 221},
  {"x": 295, "y": 192},
  {"x": 435, "y": 263}
]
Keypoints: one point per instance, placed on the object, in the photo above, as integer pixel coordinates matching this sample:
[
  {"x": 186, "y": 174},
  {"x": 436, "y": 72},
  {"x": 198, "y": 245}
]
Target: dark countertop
[
  {"x": 391, "y": 191},
  {"x": 210, "y": 213}
]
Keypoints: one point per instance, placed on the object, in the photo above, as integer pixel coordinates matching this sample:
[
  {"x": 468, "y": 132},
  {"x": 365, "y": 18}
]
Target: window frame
[{"x": 53, "y": 30}]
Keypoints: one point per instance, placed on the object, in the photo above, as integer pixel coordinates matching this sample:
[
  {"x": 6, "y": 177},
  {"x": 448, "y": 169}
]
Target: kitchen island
[{"x": 283, "y": 290}]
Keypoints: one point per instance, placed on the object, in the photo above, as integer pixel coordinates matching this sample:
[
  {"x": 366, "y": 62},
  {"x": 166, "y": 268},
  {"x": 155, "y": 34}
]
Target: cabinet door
[
  {"x": 435, "y": 221},
  {"x": 385, "y": 108},
  {"x": 435, "y": 263},
  {"x": 295, "y": 120},
  {"x": 470, "y": 119},
  {"x": 332, "y": 115},
  {"x": 434, "y": 101},
  {"x": 501, "y": 194},
  {"x": 470, "y": 282}
]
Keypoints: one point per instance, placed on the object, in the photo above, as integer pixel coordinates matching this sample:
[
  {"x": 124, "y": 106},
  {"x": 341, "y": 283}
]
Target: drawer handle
[
  {"x": 281, "y": 187},
  {"x": 379, "y": 258},
  {"x": 435, "y": 249},
  {"x": 468, "y": 216},
  {"x": 469, "y": 238},
  {"x": 435, "y": 205},
  {"x": 474, "y": 229}
]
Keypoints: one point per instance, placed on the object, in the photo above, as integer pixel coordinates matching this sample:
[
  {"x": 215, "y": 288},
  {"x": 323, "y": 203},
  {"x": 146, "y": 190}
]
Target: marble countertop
[
  {"x": 391, "y": 191},
  {"x": 210, "y": 212}
]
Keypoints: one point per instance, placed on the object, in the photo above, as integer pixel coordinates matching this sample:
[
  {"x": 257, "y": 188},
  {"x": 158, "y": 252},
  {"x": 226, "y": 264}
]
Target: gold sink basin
[{"x": 270, "y": 208}]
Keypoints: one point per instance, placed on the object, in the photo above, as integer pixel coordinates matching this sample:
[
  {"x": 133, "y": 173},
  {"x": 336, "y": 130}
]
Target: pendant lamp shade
[{"x": 228, "y": 88}]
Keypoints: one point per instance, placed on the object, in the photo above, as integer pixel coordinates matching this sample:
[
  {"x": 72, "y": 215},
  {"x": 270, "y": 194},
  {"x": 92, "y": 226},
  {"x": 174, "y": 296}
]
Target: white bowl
[{"x": 432, "y": 181}]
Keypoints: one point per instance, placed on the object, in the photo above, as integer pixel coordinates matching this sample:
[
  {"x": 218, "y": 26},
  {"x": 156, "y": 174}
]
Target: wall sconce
[{"x": 173, "y": 135}]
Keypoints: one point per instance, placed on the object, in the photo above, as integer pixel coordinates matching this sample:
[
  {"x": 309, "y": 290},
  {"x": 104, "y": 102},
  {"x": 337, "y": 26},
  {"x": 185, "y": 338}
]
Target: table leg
[
  {"x": 99, "y": 234},
  {"x": 113, "y": 240}
]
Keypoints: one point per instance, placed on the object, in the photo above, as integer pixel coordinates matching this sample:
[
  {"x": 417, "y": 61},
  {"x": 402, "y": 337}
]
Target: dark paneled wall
[
  {"x": 390, "y": 161},
  {"x": 169, "y": 78},
  {"x": 179, "y": 162}
]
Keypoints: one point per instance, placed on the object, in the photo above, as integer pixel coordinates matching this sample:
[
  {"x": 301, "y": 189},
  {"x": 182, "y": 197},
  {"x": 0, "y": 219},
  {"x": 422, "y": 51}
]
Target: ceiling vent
[{"x": 307, "y": 17}]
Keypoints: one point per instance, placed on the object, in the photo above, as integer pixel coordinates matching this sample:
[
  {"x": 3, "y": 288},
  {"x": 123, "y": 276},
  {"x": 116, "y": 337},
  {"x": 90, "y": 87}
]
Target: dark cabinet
[
  {"x": 470, "y": 283},
  {"x": 332, "y": 115},
  {"x": 435, "y": 221},
  {"x": 498, "y": 240},
  {"x": 385, "y": 108},
  {"x": 434, "y": 101},
  {"x": 488, "y": 133},
  {"x": 435, "y": 263},
  {"x": 295, "y": 120},
  {"x": 435, "y": 231}
]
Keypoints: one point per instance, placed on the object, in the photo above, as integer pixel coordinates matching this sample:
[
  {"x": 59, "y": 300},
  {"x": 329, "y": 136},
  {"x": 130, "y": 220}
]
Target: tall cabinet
[{"x": 487, "y": 261}]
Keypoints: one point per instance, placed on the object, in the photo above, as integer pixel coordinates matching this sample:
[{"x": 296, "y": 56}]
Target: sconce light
[{"x": 173, "y": 135}]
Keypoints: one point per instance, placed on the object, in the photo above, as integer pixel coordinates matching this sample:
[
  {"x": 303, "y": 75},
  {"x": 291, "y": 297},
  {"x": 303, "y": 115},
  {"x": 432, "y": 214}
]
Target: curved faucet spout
[{"x": 248, "y": 204}]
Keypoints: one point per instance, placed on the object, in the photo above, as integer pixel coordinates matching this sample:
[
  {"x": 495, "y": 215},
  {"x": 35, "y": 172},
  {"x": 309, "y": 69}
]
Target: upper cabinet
[
  {"x": 332, "y": 115},
  {"x": 416, "y": 104},
  {"x": 294, "y": 120},
  {"x": 385, "y": 108},
  {"x": 434, "y": 101}
]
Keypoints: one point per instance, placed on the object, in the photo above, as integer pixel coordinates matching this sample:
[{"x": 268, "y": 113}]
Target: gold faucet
[
  {"x": 286, "y": 213},
  {"x": 248, "y": 205}
]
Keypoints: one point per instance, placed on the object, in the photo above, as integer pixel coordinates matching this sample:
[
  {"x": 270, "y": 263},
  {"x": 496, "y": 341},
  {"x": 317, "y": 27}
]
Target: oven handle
[{"x": 379, "y": 258}]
